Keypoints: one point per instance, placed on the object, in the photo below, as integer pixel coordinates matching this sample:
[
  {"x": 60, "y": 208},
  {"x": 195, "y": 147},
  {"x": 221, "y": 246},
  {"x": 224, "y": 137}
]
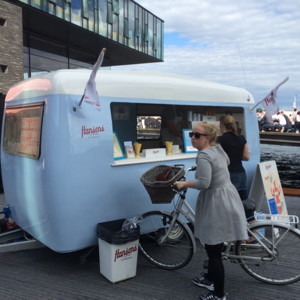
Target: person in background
[
  {"x": 292, "y": 118},
  {"x": 283, "y": 121},
  {"x": 266, "y": 123},
  {"x": 219, "y": 214},
  {"x": 236, "y": 148},
  {"x": 171, "y": 125},
  {"x": 293, "y": 115},
  {"x": 288, "y": 125},
  {"x": 297, "y": 122}
]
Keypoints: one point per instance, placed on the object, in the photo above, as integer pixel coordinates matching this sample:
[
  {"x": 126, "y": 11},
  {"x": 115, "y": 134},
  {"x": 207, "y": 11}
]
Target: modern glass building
[{"x": 60, "y": 34}]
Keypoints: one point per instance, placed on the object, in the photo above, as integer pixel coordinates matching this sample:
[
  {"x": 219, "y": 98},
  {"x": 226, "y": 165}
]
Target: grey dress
[{"x": 220, "y": 215}]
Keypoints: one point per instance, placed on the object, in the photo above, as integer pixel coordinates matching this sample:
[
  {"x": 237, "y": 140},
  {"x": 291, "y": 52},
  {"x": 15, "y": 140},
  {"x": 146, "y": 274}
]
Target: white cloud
[{"x": 251, "y": 44}]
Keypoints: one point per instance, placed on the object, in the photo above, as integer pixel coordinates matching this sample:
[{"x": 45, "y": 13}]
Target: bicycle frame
[
  {"x": 183, "y": 208},
  {"x": 260, "y": 239}
]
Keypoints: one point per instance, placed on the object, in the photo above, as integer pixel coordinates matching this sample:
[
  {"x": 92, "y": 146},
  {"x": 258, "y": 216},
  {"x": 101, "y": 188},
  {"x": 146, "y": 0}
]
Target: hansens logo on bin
[{"x": 125, "y": 253}]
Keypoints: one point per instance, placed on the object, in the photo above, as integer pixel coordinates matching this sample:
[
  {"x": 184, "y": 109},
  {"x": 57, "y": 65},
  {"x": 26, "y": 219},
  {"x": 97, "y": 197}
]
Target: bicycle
[{"x": 167, "y": 241}]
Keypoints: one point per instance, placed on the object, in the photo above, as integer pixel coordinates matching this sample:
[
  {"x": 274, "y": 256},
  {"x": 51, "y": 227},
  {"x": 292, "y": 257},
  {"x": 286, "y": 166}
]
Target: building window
[
  {"x": 36, "y": 3},
  {"x": 109, "y": 14},
  {"x": 2, "y": 22},
  {"x": 102, "y": 18},
  {"x": 137, "y": 28},
  {"x": 121, "y": 22},
  {"x": 3, "y": 68},
  {"x": 59, "y": 8},
  {"x": 67, "y": 11},
  {"x": 115, "y": 7},
  {"x": 52, "y": 9},
  {"x": 146, "y": 33},
  {"x": 131, "y": 24},
  {"x": 76, "y": 12},
  {"x": 85, "y": 23},
  {"x": 126, "y": 28}
]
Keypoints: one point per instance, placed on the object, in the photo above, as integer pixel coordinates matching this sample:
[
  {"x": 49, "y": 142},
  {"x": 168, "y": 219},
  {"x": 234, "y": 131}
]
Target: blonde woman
[{"x": 219, "y": 211}]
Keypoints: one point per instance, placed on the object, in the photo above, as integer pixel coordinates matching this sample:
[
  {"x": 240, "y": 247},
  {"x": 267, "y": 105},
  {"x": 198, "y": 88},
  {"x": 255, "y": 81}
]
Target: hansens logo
[
  {"x": 91, "y": 131},
  {"x": 124, "y": 253}
]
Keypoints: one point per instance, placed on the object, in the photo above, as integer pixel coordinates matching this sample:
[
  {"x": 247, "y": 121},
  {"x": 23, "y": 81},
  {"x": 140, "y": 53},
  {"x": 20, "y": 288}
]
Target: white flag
[
  {"x": 90, "y": 93},
  {"x": 270, "y": 102},
  {"x": 294, "y": 103}
]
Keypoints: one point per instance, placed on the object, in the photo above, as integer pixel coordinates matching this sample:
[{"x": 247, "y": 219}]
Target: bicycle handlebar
[
  {"x": 192, "y": 168},
  {"x": 183, "y": 191}
]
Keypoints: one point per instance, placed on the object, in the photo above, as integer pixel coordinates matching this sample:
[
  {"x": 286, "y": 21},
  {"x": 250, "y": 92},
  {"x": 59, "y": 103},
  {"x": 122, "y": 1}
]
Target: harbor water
[{"x": 288, "y": 163}]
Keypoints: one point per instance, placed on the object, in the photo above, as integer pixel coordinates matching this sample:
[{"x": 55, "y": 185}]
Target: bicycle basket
[{"x": 161, "y": 191}]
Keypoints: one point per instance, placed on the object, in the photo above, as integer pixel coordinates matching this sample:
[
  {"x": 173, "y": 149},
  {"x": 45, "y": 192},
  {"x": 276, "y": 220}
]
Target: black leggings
[{"x": 216, "y": 272}]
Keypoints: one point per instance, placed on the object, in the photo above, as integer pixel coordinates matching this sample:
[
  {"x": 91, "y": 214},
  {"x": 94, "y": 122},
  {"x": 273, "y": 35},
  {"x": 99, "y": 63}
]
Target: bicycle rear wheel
[
  {"x": 175, "y": 251},
  {"x": 280, "y": 267}
]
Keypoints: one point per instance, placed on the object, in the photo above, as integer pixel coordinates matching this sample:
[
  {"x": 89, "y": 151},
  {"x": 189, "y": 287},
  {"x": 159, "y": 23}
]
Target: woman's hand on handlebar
[{"x": 179, "y": 185}]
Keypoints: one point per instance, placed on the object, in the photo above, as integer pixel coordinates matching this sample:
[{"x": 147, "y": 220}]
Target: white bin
[
  {"x": 118, "y": 250},
  {"x": 118, "y": 262}
]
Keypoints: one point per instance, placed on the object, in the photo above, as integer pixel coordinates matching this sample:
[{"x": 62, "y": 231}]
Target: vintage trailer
[{"x": 63, "y": 164}]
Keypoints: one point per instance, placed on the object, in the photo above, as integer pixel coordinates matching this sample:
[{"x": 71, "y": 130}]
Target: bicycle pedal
[{"x": 234, "y": 261}]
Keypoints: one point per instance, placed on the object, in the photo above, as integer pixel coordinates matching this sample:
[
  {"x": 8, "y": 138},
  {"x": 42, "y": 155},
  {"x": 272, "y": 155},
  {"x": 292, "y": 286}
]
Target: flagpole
[
  {"x": 259, "y": 102},
  {"x": 295, "y": 102},
  {"x": 81, "y": 100}
]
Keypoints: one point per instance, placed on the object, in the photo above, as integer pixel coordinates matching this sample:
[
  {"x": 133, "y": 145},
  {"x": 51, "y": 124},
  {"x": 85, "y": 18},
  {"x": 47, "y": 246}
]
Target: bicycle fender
[{"x": 185, "y": 226}]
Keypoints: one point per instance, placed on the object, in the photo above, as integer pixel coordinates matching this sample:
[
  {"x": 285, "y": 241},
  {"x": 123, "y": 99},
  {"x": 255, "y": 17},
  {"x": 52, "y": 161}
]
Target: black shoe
[
  {"x": 211, "y": 296},
  {"x": 203, "y": 282}
]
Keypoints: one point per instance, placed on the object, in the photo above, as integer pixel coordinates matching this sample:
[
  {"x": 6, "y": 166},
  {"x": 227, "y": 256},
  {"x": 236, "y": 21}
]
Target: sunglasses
[{"x": 197, "y": 135}]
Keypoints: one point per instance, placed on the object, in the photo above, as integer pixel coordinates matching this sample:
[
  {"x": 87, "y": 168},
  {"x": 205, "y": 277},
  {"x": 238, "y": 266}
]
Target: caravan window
[{"x": 22, "y": 130}]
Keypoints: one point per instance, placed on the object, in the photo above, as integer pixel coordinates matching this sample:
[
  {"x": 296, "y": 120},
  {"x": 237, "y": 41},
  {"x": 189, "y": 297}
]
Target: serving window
[
  {"x": 22, "y": 130},
  {"x": 146, "y": 124}
]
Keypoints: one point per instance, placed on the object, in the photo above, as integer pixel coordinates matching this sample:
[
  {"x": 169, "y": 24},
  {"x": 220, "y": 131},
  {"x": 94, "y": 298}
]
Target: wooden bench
[{"x": 291, "y": 192}]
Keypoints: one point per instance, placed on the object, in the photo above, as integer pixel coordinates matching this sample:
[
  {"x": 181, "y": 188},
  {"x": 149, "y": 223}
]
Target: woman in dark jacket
[{"x": 236, "y": 148}]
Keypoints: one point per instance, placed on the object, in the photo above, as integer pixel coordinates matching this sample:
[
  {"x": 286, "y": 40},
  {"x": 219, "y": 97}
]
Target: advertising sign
[{"x": 266, "y": 184}]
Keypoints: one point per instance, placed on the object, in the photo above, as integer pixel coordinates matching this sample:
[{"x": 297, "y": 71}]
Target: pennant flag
[
  {"x": 90, "y": 93},
  {"x": 295, "y": 102},
  {"x": 270, "y": 102}
]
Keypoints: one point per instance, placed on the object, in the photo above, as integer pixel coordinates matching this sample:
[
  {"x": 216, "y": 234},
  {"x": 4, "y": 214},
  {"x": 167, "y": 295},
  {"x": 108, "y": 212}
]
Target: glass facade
[
  {"x": 57, "y": 56},
  {"x": 123, "y": 21}
]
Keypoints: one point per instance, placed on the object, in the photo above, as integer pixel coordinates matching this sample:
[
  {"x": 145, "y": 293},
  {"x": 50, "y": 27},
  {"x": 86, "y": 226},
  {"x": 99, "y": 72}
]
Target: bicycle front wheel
[
  {"x": 170, "y": 252},
  {"x": 277, "y": 258}
]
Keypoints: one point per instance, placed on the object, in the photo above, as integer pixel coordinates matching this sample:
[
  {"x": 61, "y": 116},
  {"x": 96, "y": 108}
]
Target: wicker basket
[{"x": 161, "y": 191}]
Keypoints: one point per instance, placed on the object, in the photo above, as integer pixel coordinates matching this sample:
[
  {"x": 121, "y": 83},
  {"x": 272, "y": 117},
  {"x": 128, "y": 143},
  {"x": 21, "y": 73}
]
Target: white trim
[{"x": 143, "y": 160}]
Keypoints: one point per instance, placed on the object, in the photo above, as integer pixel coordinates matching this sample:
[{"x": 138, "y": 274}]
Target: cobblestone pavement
[{"x": 44, "y": 274}]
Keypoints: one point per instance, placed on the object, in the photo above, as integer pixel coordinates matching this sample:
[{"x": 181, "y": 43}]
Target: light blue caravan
[{"x": 63, "y": 172}]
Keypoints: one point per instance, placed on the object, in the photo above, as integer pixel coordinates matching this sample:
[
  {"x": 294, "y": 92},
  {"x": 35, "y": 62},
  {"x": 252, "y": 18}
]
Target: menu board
[
  {"x": 30, "y": 136},
  {"x": 118, "y": 151}
]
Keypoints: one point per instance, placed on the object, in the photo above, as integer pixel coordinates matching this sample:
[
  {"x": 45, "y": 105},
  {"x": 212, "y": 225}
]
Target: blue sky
[{"x": 249, "y": 44}]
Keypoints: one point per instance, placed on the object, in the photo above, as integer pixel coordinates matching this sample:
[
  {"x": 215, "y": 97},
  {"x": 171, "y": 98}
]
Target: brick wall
[{"x": 11, "y": 45}]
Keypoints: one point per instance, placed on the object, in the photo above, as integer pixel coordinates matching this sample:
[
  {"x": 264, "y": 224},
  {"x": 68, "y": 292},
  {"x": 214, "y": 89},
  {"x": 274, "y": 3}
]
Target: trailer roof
[{"x": 129, "y": 84}]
